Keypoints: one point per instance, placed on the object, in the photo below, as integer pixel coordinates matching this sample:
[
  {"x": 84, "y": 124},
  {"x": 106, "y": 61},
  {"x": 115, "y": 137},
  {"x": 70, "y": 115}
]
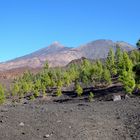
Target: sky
[{"x": 29, "y": 25}]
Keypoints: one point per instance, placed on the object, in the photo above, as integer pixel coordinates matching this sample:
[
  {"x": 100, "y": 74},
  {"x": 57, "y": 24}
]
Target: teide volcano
[{"x": 59, "y": 55}]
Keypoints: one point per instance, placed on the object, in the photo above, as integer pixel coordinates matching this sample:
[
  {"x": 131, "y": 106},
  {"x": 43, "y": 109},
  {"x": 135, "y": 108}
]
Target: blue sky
[{"x": 28, "y": 25}]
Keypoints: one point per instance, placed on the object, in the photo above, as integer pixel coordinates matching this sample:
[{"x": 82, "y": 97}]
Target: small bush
[
  {"x": 32, "y": 97},
  {"x": 91, "y": 96}
]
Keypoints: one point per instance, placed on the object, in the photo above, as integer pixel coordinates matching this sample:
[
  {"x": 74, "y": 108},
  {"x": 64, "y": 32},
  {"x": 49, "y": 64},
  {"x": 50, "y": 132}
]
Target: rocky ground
[{"x": 77, "y": 119}]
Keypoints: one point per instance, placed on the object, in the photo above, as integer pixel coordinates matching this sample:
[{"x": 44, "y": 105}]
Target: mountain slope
[
  {"x": 100, "y": 48},
  {"x": 59, "y": 55}
]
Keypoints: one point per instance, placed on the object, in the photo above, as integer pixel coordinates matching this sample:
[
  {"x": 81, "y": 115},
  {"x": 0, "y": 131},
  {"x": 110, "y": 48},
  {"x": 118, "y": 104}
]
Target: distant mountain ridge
[{"x": 58, "y": 55}]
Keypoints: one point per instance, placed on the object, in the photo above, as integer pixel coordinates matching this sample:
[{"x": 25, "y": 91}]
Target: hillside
[
  {"x": 59, "y": 55},
  {"x": 88, "y": 100}
]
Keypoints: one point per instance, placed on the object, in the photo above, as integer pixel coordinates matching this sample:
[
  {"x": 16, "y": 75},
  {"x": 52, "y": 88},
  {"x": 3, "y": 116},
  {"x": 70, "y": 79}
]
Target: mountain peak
[
  {"x": 56, "y": 44},
  {"x": 58, "y": 55}
]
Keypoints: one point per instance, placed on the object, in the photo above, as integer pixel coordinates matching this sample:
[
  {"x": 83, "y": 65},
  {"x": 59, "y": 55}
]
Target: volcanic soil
[{"x": 67, "y": 118}]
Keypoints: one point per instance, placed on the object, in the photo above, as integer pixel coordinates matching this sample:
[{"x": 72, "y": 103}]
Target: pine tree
[
  {"x": 79, "y": 90},
  {"x": 46, "y": 66},
  {"x": 128, "y": 81},
  {"x": 136, "y": 69},
  {"x": 96, "y": 73},
  {"x": 110, "y": 62},
  {"x": 127, "y": 63},
  {"x": 2, "y": 95},
  {"x": 74, "y": 72},
  {"x": 99, "y": 70},
  {"x": 59, "y": 92},
  {"x": 106, "y": 76},
  {"x": 27, "y": 77},
  {"x": 15, "y": 89},
  {"x": 124, "y": 63},
  {"x": 66, "y": 78},
  {"x": 37, "y": 85},
  {"x": 84, "y": 76},
  {"x": 45, "y": 79},
  {"x": 133, "y": 57},
  {"x": 118, "y": 60},
  {"x": 126, "y": 75},
  {"x": 43, "y": 88},
  {"x": 25, "y": 87}
]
